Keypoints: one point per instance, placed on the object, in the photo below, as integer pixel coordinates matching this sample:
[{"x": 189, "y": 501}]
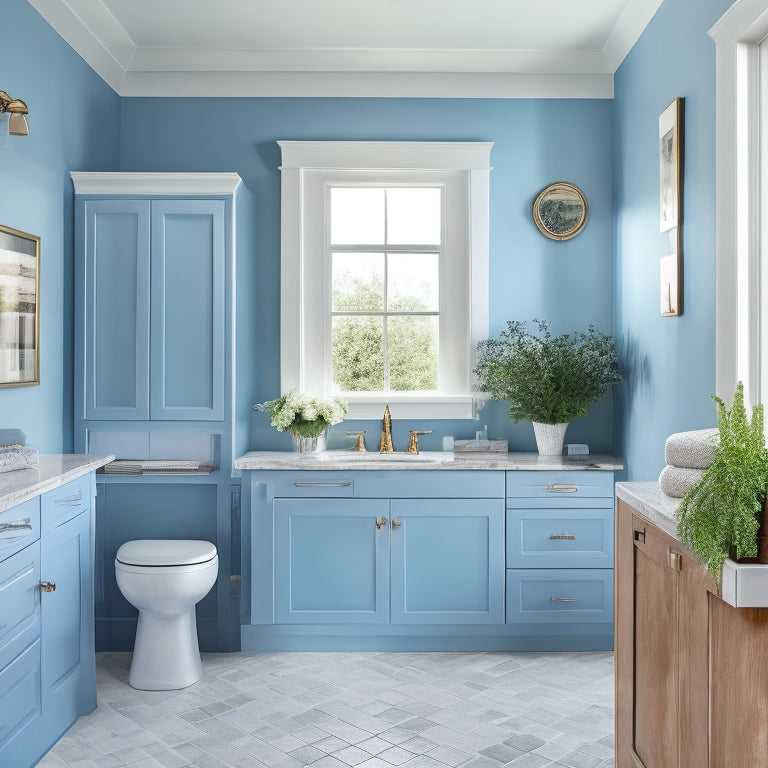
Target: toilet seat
[{"x": 158, "y": 553}]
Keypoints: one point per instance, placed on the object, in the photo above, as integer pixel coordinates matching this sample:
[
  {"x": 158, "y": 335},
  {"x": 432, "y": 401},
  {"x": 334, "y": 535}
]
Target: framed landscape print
[
  {"x": 19, "y": 308},
  {"x": 671, "y": 166},
  {"x": 560, "y": 211}
]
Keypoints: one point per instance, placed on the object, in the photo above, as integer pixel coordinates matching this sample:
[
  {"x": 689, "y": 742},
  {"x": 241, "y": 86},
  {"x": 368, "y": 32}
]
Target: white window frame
[
  {"x": 308, "y": 168},
  {"x": 741, "y": 334}
]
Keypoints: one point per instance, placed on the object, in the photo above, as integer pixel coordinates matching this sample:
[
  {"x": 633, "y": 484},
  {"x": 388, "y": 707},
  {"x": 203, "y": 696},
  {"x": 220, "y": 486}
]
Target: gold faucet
[
  {"x": 413, "y": 443},
  {"x": 360, "y": 435},
  {"x": 385, "y": 443}
]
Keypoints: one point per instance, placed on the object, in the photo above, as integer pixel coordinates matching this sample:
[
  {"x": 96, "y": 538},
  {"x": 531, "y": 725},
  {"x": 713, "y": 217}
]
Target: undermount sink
[{"x": 370, "y": 457}]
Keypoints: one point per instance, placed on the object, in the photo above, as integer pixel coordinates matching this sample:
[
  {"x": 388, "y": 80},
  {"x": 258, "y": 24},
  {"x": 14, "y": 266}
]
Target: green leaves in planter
[{"x": 720, "y": 515}]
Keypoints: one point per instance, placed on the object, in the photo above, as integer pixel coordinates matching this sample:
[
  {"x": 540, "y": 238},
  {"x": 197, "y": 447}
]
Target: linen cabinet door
[
  {"x": 447, "y": 561},
  {"x": 331, "y": 561},
  {"x": 188, "y": 313},
  {"x": 115, "y": 242}
]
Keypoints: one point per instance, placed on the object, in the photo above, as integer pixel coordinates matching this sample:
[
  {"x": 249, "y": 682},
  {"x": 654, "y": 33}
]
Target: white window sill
[{"x": 414, "y": 407}]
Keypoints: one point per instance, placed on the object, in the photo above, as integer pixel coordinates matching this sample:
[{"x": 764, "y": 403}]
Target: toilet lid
[{"x": 166, "y": 552}]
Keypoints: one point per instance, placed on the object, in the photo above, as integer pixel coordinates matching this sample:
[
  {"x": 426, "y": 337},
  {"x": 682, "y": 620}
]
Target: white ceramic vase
[{"x": 549, "y": 438}]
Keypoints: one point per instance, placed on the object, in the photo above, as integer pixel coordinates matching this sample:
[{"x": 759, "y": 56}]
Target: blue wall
[
  {"x": 74, "y": 124},
  {"x": 671, "y": 360},
  {"x": 537, "y": 141}
]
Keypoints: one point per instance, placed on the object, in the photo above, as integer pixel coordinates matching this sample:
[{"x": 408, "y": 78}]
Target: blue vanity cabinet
[
  {"x": 559, "y": 557},
  {"x": 47, "y": 657}
]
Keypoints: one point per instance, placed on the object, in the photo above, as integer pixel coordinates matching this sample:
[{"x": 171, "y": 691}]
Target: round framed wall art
[{"x": 560, "y": 210}]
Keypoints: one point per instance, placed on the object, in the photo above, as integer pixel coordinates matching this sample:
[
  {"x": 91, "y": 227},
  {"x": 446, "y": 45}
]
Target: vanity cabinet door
[
  {"x": 331, "y": 561},
  {"x": 447, "y": 561}
]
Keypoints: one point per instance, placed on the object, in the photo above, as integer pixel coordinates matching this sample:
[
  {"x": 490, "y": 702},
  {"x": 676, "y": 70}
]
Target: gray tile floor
[{"x": 365, "y": 710}]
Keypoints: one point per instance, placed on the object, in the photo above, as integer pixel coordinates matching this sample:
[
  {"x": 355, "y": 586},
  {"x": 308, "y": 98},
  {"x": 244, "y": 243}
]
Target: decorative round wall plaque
[{"x": 560, "y": 210}]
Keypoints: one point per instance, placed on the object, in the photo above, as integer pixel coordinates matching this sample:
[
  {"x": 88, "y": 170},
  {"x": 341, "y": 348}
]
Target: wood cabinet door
[
  {"x": 331, "y": 561},
  {"x": 447, "y": 561}
]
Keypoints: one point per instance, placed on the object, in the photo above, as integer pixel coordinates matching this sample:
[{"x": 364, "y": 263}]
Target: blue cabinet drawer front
[
  {"x": 314, "y": 484},
  {"x": 565, "y": 488},
  {"x": 19, "y": 527},
  {"x": 559, "y": 596},
  {"x": 19, "y": 602},
  {"x": 560, "y": 538},
  {"x": 65, "y": 502},
  {"x": 20, "y": 706}
]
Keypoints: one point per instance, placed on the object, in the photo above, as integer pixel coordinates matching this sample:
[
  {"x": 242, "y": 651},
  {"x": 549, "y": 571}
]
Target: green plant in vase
[{"x": 721, "y": 515}]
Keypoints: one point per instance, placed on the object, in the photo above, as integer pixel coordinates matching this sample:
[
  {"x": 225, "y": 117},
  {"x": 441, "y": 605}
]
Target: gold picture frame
[
  {"x": 560, "y": 211},
  {"x": 671, "y": 166},
  {"x": 19, "y": 308}
]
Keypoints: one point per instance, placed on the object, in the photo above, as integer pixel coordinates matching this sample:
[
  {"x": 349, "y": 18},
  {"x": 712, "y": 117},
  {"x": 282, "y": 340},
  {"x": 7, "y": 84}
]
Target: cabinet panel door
[
  {"x": 447, "y": 561},
  {"x": 116, "y": 309},
  {"x": 331, "y": 561},
  {"x": 67, "y": 617},
  {"x": 188, "y": 309}
]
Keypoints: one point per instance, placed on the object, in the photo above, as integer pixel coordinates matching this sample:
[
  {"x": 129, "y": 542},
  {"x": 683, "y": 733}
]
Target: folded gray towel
[
  {"x": 675, "y": 481},
  {"x": 694, "y": 449},
  {"x": 12, "y": 436}
]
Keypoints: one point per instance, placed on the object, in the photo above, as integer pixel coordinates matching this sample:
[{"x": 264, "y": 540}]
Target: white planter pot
[{"x": 549, "y": 438}]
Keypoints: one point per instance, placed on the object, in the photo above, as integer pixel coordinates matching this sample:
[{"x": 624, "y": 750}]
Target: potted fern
[{"x": 722, "y": 515}]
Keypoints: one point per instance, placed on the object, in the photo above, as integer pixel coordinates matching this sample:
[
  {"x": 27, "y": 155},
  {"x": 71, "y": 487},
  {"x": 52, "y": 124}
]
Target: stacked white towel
[
  {"x": 687, "y": 455},
  {"x": 14, "y": 451}
]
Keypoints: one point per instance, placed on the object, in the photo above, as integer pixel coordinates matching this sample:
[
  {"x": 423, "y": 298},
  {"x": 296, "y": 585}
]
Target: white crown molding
[
  {"x": 628, "y": 29},
  {"x": 745, "y": 22},
  {"x": 127, "y": 183}
]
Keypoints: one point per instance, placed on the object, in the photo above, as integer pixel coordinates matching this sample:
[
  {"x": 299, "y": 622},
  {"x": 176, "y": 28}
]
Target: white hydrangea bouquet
[{"x": 304, "y": 416}]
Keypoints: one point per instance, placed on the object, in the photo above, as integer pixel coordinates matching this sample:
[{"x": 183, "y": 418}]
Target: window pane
[
  {"x": 357, "y": 215},
  {"x": 358, "y": 353},
  {"x": 358, "y": 282},
  {"x": 413, "y": 281},
  {"x": 413, "y": 215},
  {"x": 413, "y": 353}
]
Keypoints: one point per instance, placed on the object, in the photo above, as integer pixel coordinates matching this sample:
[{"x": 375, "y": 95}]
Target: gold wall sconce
[{"x": 17, "y": 111}]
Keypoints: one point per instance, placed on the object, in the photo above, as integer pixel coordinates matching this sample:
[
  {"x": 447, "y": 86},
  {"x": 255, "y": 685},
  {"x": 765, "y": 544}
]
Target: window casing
[{"x": 310, "y": 170}]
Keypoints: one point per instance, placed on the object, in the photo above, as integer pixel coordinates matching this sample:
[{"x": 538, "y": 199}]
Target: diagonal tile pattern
[{"x": 354, "y": 710}]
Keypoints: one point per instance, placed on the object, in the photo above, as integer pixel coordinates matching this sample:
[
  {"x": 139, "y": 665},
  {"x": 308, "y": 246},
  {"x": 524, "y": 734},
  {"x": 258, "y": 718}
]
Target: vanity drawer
[
  {"x": 566, "y": 488},
  {"x": 20, "y": 702},
  {"x": 560, "y": 538},
  {"x": 20, "y": 601},
  {"x": 299, "y": 484},
  {"x": 583, "y": 596},
  {"x": 19, "y": 527},
  {"x": 65, "y": 502}
]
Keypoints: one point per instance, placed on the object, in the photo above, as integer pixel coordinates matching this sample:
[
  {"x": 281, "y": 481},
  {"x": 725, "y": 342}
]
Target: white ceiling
[{"x": 491, "y": 48}]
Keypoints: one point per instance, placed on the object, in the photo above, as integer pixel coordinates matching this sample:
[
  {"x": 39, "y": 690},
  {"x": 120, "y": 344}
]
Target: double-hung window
[{"x": 384, "y": 273}]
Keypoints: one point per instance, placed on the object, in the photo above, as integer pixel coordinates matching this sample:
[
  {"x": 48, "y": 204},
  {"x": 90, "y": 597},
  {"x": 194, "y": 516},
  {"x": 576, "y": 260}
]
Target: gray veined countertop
[
  {"x": 651, "y": 501},
  {"x": 53, "y": 470},
  {"x": 372, "y": 460}
]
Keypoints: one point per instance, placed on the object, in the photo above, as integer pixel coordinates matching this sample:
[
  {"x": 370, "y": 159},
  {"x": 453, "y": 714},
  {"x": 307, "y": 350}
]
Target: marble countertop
[
  {"x": 351, "y": 460},
  {"x": 650, "y": 501},
  {"x": 54, "y": 470}
]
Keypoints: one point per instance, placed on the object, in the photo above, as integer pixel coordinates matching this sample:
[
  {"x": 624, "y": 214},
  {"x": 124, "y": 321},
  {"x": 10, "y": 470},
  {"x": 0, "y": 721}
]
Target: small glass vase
[{"x": 309, "y": 444}]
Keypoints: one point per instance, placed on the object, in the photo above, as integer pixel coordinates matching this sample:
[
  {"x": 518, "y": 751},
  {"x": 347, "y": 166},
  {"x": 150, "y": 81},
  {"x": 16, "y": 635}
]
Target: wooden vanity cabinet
[{"x": 691, "y": 671}]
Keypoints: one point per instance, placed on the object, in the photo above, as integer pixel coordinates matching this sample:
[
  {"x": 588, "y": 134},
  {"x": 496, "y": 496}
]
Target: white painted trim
[
  {"x": 414, "y": 407},
  {"x": 736, "y": 33},
  {"x": 634, "y": 19},
  {"x": 129, "y": 183}
]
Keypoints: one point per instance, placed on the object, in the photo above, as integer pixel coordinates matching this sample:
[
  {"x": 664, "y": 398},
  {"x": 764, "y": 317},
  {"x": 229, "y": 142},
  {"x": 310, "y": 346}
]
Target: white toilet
[{"x": 164, "y": 579}]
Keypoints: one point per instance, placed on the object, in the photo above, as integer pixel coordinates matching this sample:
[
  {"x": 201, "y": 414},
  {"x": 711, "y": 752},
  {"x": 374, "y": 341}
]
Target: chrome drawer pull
[
  {"x": 562, "y": 488},
  {"x": 380, "y": 521},
  {"x": 70, "y": 501},
  {"x": 48, "y": 586},
  {"x": 554, "y": 599},
  {"x": 562, "y": 537},
  {"x": 322, "y": 484},
  {"x": 16, "y": 529}
]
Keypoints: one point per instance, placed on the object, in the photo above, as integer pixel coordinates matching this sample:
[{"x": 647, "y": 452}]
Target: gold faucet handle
[
  {"x": 413, "y": 443},
  {"x": 360, "y": 444}
]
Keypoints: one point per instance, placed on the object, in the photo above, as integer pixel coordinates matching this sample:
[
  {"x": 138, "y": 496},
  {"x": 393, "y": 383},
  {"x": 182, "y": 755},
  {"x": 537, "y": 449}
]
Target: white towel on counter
[
  {"x": 692, "y": 450},
  {"x": 18, "y": 458},
  {"x": 675, "y": 481}
]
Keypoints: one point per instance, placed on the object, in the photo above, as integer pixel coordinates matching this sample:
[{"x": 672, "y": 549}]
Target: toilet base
[{"x": 166, "y": 655}]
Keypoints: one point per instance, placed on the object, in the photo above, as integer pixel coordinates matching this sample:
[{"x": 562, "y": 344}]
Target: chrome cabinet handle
[
  {"x": 48, "y": 586},
  {"x": 15, "y": 529},
  {"x": 322, "y": 483},
  {"x": 562, "y": 488},
  {"x": 397, "y": 522},
  {"x": 555, "y": 599},
  {"x": 70, "y": 501},
  {"x": 562, "y": 537},
  {"x": 380, "y": 521}
]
